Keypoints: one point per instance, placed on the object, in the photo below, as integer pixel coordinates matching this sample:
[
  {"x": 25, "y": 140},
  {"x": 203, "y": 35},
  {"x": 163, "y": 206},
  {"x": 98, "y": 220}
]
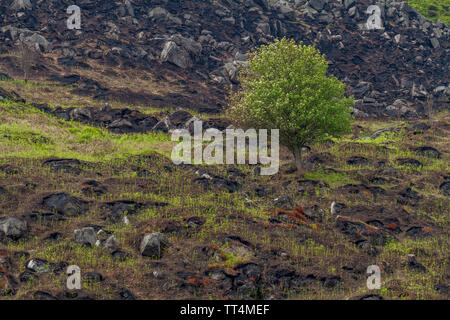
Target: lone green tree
[{"x": 285, "y": 87}]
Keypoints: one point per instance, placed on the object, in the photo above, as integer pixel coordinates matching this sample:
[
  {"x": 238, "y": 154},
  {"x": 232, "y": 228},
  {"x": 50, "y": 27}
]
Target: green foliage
[
  {"x": 285, "y": 86},
  {"x": 433, "y": 9}
]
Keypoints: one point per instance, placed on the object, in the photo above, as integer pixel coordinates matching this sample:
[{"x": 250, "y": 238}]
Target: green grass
[
  {"x": 29, "y": 133},
  {"x": 433, "y": 9},
  {"x": 332, "y": 178}
]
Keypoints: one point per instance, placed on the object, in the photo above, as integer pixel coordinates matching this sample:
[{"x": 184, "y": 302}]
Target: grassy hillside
[
  {"x": 433, "y": 9},
  {"x": 215, "y": 234}
]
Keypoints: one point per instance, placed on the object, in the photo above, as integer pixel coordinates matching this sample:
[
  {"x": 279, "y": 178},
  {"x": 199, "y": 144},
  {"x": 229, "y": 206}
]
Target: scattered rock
[
  {"x": 410, "y": 162},
  {"x": 38, "y": 266},
  {"x": 445, "y": 188},
  {"x": 111, "y": 243},
  {"x": 429, "y": 152},
  {"x": 27, "y": 276},
  {"x": 13, "y": 228},
  {"x": 414, "y": 265},
  {"x": 41, "y": 295},
  {"x": 125, "y": 294},
  {"x": 93, "y": 188},
  {"x": 64, "y": 165},
  {"x": 93, "y": 277},
  {"x": 418, "y": 232},
  {"x": 357, "y": 161},
  {"x": 65, "y": 204},
  {"x": 153, "y": 244},
  {"x": 86, "y": 236}
]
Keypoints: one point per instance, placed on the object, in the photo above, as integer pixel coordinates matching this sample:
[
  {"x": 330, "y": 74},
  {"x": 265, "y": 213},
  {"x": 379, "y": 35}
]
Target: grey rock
[
  {"x": 158, "y": 13},
  {"x": 111, "y": 243},
  {"x": 348, "y": 3},
  {"x": 86, "y": 236},
  {"x": 81, "y": 114},
  {"x": 317, "y": 4},
  {"x": 153, "y": 244},
  {"x": 13, "y": 228},
  {"x": 434, "y": 43},
  {"x": 164, "y": 125},
  {"x": 176, "y": 55},
  {"x": 38, "y": 265},
  {"x": 38, "y": 42}
]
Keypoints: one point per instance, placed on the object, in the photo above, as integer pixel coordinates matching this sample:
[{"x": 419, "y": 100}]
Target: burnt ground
[
  {"x": 395, "y": 72},
  {"x": 85, "y": 145},
  {"x": 229, "y": 233}
]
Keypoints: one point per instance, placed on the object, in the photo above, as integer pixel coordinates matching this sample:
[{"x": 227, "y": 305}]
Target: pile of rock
[{"x": 206, "y": 41}]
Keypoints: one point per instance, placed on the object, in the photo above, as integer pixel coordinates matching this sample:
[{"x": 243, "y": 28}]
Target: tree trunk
[{"x": 297, "y": 151}]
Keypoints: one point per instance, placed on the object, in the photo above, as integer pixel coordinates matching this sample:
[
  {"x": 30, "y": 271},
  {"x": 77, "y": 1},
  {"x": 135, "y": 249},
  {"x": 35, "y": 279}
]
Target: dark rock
[
  {"x": 8, "y": 169},
  {"x": 410, "y": 162},
  {"x": 93, "y": 188},
  {"x": 332, "y": 282},
  {"x": 179, "y": 118},
  {"x": 44, "y": 217},
  {"x": 443, "y": 288},
  {"x": 284, "y": 202},
  {"x": 54, "y": 236},
  {"x": 360, "y": 230},
  {"x": 408, "y": 196},
  {"x": 41, "y": 295},
  {"x": 208, "y": 181},
  {"x": 418, "y": 232},
  {"x": 429, "y": 152},
  {"x": 377, "y": 180},
  {"x": 93, "y": 277},
  {"x": 445, "y": 188},
  {"x": 116, "y": 210},
  {"x": 195, "y": 222},
  {"x": 27, "y": 276},
  {"x": 357, "y": 161},
  {"x": 125, "y": 294},
  {"x": 371, "y": 297},
  {"x": 120, "y": 255},
  {"x": 413, "y": 264},
  {"x": 64, "y": 165},
  {"x": 421, "y": 126},
  {"x": 336, "y": 207},
  {"x": 65, "y": 204}
]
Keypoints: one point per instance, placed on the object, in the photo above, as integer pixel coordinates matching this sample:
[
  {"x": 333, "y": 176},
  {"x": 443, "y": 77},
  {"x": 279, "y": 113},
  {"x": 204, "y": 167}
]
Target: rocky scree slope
[{"x": 396, "y": 72}]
